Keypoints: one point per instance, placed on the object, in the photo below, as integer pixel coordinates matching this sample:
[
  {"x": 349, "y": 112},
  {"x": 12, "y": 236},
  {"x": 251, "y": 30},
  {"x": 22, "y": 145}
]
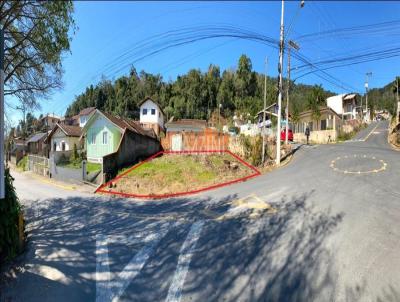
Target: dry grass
[{"x": 173, "y": 173}]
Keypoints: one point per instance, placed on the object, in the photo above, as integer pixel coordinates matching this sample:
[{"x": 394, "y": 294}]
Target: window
[
  {"x": 105, "y": 138},
  {"x": 92, "y": 138},
  {"x": 153, "y": 112},
  {"x": 144, "y": 111},
  {"x": 323, "y": 124},
  {"x": 54, "y": 146},
  {"x": 159, "y": 114},
  {"x": 62, "y": 146}
]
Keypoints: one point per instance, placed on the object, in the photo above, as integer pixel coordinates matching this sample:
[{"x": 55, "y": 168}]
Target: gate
[{"x": 38, "y": 164}]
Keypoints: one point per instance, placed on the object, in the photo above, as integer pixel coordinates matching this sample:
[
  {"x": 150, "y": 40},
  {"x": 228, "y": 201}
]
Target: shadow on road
[{"x": 277, "y": 257}]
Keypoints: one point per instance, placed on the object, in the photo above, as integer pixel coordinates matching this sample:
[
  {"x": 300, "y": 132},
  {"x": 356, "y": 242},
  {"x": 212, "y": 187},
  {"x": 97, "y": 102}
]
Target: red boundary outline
[{"x": 256, "y": 173}]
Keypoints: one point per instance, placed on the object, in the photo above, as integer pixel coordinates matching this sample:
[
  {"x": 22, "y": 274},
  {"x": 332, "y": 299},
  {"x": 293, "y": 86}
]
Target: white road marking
[
  {"x": 111, "y": 289},
  {"x": 186, "y": 253}
]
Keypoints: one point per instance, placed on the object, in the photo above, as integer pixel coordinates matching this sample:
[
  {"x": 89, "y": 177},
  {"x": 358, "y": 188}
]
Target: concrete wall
[
  {"x": 133, "y": 147},
  {"x": 317, "y": 137}
]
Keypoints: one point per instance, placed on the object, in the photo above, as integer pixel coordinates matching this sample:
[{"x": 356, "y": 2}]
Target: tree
[
  {"x": 315, "y": 99},
  {"x": 37, "y": 34}
]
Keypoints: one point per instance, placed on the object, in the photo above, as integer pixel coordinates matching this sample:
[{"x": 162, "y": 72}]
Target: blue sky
[{"x": 108, "y": 29}]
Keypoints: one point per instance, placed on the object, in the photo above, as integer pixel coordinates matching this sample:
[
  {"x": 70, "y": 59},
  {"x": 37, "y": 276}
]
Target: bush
[
  {"x": 23, "y": 163},
  {"x": 10, "y": 210}
]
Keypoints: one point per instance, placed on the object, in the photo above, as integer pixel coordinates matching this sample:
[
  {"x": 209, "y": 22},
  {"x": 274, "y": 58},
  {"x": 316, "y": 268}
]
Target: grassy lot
[{"x": 173, "y": 173}]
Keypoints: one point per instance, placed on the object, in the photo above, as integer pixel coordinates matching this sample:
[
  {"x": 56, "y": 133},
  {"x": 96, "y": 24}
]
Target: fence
[{"x": 39, "y": 165}]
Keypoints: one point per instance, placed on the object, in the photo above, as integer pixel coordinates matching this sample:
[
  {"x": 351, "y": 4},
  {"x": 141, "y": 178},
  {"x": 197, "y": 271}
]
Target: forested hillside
[
  {"x": 383, "y": 98},
  {"x": 193, "y": 95}
]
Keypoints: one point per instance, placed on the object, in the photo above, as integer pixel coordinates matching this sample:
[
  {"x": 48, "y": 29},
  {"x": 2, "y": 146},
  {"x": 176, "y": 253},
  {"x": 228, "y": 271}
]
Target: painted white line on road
[
  {"x": 111, "y": 290},
  {"x": 369, "y": 134},
  {"x": 186, "y": 253}
]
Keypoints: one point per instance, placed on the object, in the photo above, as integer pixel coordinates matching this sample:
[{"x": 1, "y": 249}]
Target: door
[{"x": 177, "y": 142}]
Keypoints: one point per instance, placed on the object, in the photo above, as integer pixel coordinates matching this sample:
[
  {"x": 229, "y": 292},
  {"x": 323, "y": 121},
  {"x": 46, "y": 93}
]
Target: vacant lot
[{"x": 175, "y": 173}]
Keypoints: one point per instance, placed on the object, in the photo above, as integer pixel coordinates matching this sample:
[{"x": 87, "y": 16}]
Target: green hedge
[{"x": 10, "y": 209}]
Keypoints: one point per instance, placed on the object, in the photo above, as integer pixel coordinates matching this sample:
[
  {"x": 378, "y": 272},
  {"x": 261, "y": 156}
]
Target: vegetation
[
  {"x": 23, "y": 163},
  {"x": 37, "y": 34},
  {"x": 181, "y": 173},
  {"x": 193, "y": 95},
  {"x": 10, "y": 210}
]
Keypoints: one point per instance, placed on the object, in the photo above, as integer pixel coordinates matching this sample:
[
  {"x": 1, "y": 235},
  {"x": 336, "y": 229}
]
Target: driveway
[{"x": 326, "y": 227}]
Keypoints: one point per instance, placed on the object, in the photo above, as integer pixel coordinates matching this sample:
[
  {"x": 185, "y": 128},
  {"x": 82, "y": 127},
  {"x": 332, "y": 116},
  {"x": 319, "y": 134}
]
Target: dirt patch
[{"x": 175, "y": 173}]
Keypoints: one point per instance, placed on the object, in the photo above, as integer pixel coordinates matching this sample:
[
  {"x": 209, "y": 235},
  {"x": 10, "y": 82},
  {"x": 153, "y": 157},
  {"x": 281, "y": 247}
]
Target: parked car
[{"x": 290, "y": 135}]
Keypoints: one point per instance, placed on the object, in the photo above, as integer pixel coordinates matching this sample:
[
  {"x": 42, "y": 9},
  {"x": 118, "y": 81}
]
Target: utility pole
[
  {"x": 296, "y": 47},
  {"x": 398, "y": 102},
  {"x": 265, "y": 105},
  {"x": 2, "y": 190},
  {"x": 280, "y": 66},
  {"x": 287, "y": 100},
  {"x": 367, "y": 75}
]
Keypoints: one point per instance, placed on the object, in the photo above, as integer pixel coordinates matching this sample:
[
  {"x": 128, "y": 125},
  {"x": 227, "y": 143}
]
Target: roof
[
  {"x": 186, "y": 124},
  {"x": 51, "y": 116},
  {"x": 343, "y": 96},
  {"x": 36, "y": 137},
  {"x": 74, "y": 131},
  {"x": 349, "y": 96},
  {"x": 87, "y": 111},
  {"x": 321, "y": 109},
  {"x": 123, "y": 124},
  {"x": 149, "y": 98}
]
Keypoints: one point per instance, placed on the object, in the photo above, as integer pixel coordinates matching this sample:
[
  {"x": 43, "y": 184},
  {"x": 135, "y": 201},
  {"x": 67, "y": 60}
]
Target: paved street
[{"x": 326, "y": 227}]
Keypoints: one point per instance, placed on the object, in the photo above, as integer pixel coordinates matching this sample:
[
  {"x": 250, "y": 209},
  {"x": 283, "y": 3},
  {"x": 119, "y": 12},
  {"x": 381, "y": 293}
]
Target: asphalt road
[{"x": 326, "y": 227}]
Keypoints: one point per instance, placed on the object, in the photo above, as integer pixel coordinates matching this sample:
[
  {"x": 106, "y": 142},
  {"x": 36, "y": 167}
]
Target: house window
[
  {"x": 153, "y": 112},
  {"x": 144, "y": 111},
  {"x": 92, "y": 139},
  {"x": 105, "y": 138},
  {"x": 159, "y": 114},
  {"x": 323, "y": 124},
  {"x": 62, "y": 146},
  {"x": 54, "y": 146}
]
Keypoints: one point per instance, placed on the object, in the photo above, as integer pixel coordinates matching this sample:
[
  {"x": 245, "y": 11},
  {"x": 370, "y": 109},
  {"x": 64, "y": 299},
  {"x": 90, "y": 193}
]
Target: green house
[
  {"x": 120, "y": 140},
  {"x": 102, "y": 136}
]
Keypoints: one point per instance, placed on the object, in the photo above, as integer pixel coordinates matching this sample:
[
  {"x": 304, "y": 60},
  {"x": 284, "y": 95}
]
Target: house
[
  {"x": 193, "y": 135},
  {"x": 84, "y": 115},
  {"x": 106, "y": 134},
  {"x": 324, "y": 129},
  {"x": 50, "y": 120},
  {"x": 18, "y": 148},
  {"x": 345, "y": 105},
  {"x": 151, "y": 115},
  {"x": 64, "y": 137},
  {"x": 36, "y": 145}
]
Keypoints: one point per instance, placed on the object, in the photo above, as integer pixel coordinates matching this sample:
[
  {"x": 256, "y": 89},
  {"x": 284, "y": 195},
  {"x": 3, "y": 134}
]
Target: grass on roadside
[
  {"x": 90, "y": 167},
  {"x": 173, "y": 173}
]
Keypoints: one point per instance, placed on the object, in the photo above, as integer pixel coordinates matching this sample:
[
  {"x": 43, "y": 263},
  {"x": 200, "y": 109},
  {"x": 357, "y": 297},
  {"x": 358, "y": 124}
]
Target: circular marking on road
[{"x": 358, "y": 164}]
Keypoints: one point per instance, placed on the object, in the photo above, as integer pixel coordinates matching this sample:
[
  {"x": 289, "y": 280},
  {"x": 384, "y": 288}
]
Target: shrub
[
  {"x": 10, "y": 209},
  {"x": 23, "y": 163}
]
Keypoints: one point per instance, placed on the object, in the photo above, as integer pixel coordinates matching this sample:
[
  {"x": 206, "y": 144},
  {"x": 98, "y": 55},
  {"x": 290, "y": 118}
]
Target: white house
[
  {"x": 344, "y": 104},
  {"x": 84, "y": 115},
  {"x": 64, "y": 137},
  {"x": 151, "y": 115}
]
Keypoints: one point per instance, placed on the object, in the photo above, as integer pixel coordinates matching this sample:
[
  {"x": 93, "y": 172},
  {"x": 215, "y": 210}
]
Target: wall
[
  {"x": 59, "y": 155},
  {"x": 133, "y": 147},
  {"x": 95, "y": 152},
  {"x": 336, "y": 103},
  {"x": 208, "y": 139},
  {"x": 317, "y": 137}
]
